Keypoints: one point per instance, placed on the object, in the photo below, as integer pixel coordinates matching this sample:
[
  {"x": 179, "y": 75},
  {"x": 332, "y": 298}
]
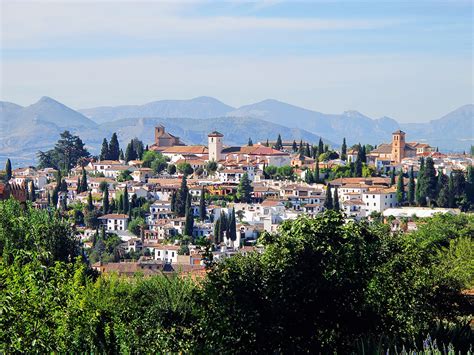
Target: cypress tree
[
  {"x": 104, "y": 152},
  {"x": 314, "y": 152},
  {"x": 54, "y": 197},
  {"x": 400, "y": 188},
  {"x": 27, "y": 191},
  {"x": 430, "y": 179},
  {"x": 308, "y": 177},
  {"x": 121, "y": 156},
  {"x": 328, "y": 203},
  {"x": 189, "y": 224},
  {"x": 307, "y": 151},
  {"x": 279, "y": 144},
  {"x": 320, "y": 146},
  {"x": 344, "y": 149},
  {"x": 49, "y": 199},
  {"x": 120, "y": 204},
  {"x": 115, "y": 206},
  {"x": 217, "y": 228},
  {"x": 300, "y": 148},
  {"x": 173, "y": 202},
  {"x": 420, "y": 190},
  {"x": 202, "y": 206},
  {"x": 392, "y": 177},
  {"x": 182, "y": 195},
  {"x": 316, "y": 171},
  {"x": 130, "y": 153},
  {"x": 125, "y": 205},
  {"x": 8, "y": 170},
  {"x": 358, "y": 166},
  {"x": 78, "y": 188},
  {"x": 114, "y": 147},
  {"x": 294, "y": 147},
  {"x": 451, "y": 192},
  {"x": 411, "y": 188},
  {"x": 84, "y": 180},
  {"x": 363, "y": 155},
  {"x": 250, "y": 143},
  {"x": 105, "y": 200},
  {"x": 443, "y": 196},
  {"x": 90, "y": 205},
  {"x": 336, "y": 200},
  {"x": 232, "y": 226},
  {"x": 223, "y": 226},
  {"x": 267, "y": 144}
]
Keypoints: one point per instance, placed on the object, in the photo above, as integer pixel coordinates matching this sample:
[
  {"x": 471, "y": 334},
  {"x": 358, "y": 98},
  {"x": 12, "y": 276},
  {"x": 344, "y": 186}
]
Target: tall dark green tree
[
  {"x": 8, "y": 170},
  {"x": 182, "y": 195},
  {"x": 232, "y": 228},
  {"x": 250, "y": 143},
  {"x": 189, "y": 221},
  {"x": 105, "y": 200},
  {"x": 104, "y": 151},
  {"x": 320, "y": 146},
  {"x": 126, "y": 202},
  {"x": 451, "y": 192},
  {"x": 328, "y": 203},
  {"x": 420, "y": 190},
  {"x": 363, "y": 154},
  {"x": 114, "y": 147},
  {"x": 344, "y": 149},
  {"x": 294, "y": 147},
  {"x": 337, "y": 206},
  {"x": 130, "y": 153},
  {"x": 244, "y": 190},
  {"x": 411, "y": 188},
  {"x": 78, "y": 186},
  {"x": 121, "y": 155},
  {"x": 279, "y": 143},
  {"x": 400, "y": 188},
  {"x": 66, "y": 153},
  {"x": 358, "y": 167},
  {"x": 307, "y": 151},
  {"x": 174, "y": 197},
  {"x": 392, "y": 177},
  {"x": 90, "y": 205},
  {"x": 316, "y": 171},
  {"x": 430, "y": 179},
  {"x": 202, "y": 205},
  {"x": 84, "y": 180}
]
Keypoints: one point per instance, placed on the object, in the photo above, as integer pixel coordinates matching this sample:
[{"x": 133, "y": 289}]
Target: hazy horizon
[{"x": 409, "y": 61}]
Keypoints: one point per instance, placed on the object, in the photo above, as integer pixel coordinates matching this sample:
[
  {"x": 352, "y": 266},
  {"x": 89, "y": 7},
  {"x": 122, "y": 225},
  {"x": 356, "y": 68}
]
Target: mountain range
[{"x": 25, "y": 130}]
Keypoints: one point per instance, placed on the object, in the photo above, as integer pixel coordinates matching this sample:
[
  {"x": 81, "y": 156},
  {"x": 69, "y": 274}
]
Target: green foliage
[
  {"x": 185, "y": 168},
  {"x": 154, "y": 160},
  {"x": 400, "y": 189},
  {"x": 114, "y": 148},
  {"x": 66, "y": 153},
  {"x": 124, "y": 175},
  {"x": 244, "y": 190},
  {"x": 135, "y": 225}
]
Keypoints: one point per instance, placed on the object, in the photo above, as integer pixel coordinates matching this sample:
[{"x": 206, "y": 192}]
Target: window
[
  {"x": 172, "y": 254},
  {"x": 375, "y": 204}
]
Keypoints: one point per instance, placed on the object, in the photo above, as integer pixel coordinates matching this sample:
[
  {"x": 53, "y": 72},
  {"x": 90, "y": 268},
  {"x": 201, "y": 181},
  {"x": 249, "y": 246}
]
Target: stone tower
[
  {"x": 214, "y": 140},
  {"x": 398, "y": 146}
]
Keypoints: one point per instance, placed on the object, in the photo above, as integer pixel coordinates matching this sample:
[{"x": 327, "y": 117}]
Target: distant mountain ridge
[
  {"x": 25, "y": 130},
  {"x": 454, "y": 131}
]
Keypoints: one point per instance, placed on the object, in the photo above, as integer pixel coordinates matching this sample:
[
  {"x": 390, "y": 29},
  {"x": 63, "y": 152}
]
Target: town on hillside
[{"x": 167, "y": 206}]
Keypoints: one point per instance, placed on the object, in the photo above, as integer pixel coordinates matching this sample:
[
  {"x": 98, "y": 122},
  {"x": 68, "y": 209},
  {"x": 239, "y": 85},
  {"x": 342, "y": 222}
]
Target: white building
[
  {"x": 115, "y": 222},
  {"x": 379, "y": 200}
]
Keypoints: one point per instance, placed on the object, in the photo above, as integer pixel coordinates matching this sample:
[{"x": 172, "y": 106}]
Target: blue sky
[{"x": 410, "y": 60}]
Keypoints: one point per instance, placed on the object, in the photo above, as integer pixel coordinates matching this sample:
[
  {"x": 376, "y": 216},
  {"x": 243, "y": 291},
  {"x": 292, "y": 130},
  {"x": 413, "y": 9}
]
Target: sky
[{"x": 409, "y": 60}]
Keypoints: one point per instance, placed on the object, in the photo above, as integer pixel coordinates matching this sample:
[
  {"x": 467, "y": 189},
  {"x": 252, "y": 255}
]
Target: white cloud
[{"x": 34, "y": 24}]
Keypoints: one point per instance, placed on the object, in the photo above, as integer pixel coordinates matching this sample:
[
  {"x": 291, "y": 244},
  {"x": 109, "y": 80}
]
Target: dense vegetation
[{"x": 320, "y": 285}]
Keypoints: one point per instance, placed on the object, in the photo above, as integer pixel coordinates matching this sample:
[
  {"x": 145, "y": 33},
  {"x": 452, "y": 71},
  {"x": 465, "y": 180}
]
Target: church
[{"x": 398, "y": 149}]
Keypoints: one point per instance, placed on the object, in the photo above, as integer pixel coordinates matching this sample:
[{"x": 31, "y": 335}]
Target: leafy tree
[
  {"x": 211, "y": 167},
  {"x": 104, "y": 151},
  {"x": 135, "y": 226},
  {"x": 344, "y": 149},
  {"x": 66, "y": 153},
  {"x": 8, "y": 170},
  {"x": 411, "y": 188},
  {"x": 244, "y": 190},
  {"x": 185, "y": 168},
  {"x": 400, "y": 188},
  {"x": 328, "y": 203},
  {"x": 114, "y": 147},
  {"x": 171, "y": 169}
]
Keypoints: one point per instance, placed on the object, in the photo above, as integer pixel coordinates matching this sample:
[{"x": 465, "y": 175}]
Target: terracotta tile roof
[
  {"x": 186, "y": 149},
  {"x": 114, "y": 216}
]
